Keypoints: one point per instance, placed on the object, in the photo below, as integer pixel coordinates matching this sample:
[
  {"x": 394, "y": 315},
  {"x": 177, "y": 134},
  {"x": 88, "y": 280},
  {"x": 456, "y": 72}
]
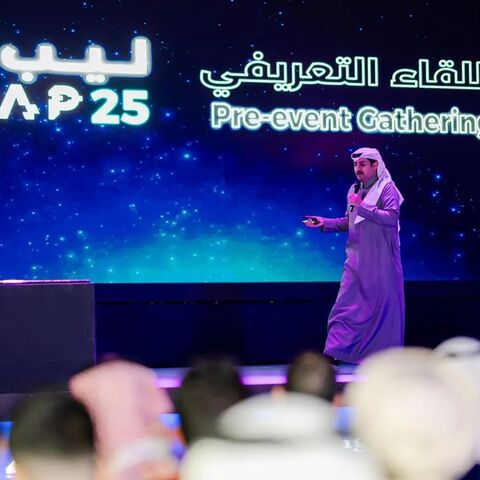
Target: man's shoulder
[
  {"x": 390, "y": 192},
  {"x": 389, "y": 187}
]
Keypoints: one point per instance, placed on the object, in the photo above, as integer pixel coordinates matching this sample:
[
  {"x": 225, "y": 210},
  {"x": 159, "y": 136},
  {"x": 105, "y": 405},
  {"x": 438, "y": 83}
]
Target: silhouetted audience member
[
  {"x": 209, "y": 388},
  {"x": 312, "y": 373},
  {"x": 52, "y": 438},
  {"x": 416, "y": 413}
]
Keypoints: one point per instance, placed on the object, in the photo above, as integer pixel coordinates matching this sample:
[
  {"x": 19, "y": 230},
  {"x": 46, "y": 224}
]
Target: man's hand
[
  {"x": 314, "y": 222},
  {"x": 354, "y": 199}
]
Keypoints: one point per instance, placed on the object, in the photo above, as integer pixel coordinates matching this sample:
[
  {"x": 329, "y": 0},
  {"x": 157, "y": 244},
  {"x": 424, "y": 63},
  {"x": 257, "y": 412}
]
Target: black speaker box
[{"x": 47, "y": 332}]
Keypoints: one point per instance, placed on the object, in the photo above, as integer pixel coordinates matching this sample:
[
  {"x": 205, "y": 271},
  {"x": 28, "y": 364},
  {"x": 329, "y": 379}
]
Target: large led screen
[{"x": 184, "y": 141}]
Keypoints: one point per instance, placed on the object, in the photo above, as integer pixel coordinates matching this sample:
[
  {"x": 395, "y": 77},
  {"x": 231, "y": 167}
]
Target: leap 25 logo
[{"x": 94, "y": 69}]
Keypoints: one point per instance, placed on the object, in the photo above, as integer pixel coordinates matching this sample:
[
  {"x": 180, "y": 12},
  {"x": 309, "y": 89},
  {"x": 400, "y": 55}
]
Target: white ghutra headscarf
[{"x": 384, "y": 177}]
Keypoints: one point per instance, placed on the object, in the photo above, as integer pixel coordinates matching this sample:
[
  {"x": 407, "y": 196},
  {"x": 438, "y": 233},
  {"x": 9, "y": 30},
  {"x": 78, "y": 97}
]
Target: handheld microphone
[{"x": 356, "y": 188}]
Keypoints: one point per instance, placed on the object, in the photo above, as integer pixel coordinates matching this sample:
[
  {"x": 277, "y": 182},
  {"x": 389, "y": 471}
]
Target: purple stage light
[{"x": 172, "y": 378}]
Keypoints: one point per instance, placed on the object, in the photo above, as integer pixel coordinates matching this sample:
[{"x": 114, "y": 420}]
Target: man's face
[{"x": 364, "y": 170}]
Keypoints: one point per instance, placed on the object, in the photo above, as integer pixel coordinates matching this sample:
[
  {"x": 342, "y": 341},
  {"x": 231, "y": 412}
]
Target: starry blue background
[{"x": 174, "y": 201}]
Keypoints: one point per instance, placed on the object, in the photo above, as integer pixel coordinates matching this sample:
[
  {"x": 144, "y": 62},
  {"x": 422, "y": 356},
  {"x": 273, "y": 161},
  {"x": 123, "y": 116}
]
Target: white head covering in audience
[
  {"x": 416, "y": 413},
  {"x": 464, "y": 353},
  {"x": 276, "y": 437},
  {"x": 289, "y": 417}
]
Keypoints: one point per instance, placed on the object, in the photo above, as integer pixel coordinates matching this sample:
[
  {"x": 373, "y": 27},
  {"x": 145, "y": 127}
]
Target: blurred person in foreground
[
  {"x": 125, "y": 404},
  {"x": 311, "y": 373},
  {"x": 52, "y": 438},
  {"x": 207, "y": 390},
  {"x": 464, "y": 353},
  {"x": 416, "y": 413},
  {"x": 279, "y": 437}
]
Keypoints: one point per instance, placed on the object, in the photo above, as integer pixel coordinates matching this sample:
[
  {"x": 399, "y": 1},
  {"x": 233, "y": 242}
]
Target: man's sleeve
[
  {"x": 389, "y": 213},
  {"x": 335, "y": 224}
]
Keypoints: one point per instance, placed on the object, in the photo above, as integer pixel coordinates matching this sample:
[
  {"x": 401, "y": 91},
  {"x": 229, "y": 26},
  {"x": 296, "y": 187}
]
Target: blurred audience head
[
  {"x": 416, "y": 413},
  {"x": 276, "y": 436},
  {"x": 464, "y": 352},
  {"x": 289, "y": 417},
  {"x": 52, "y": 437},
  {"x": 209, "y": 388},
  {"x": 125, "y": 404},
  {"x": 311, "y": 373}
]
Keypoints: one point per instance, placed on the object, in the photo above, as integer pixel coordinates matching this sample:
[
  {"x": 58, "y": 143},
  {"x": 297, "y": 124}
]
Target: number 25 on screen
[{"x": 134, "y": 110}]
